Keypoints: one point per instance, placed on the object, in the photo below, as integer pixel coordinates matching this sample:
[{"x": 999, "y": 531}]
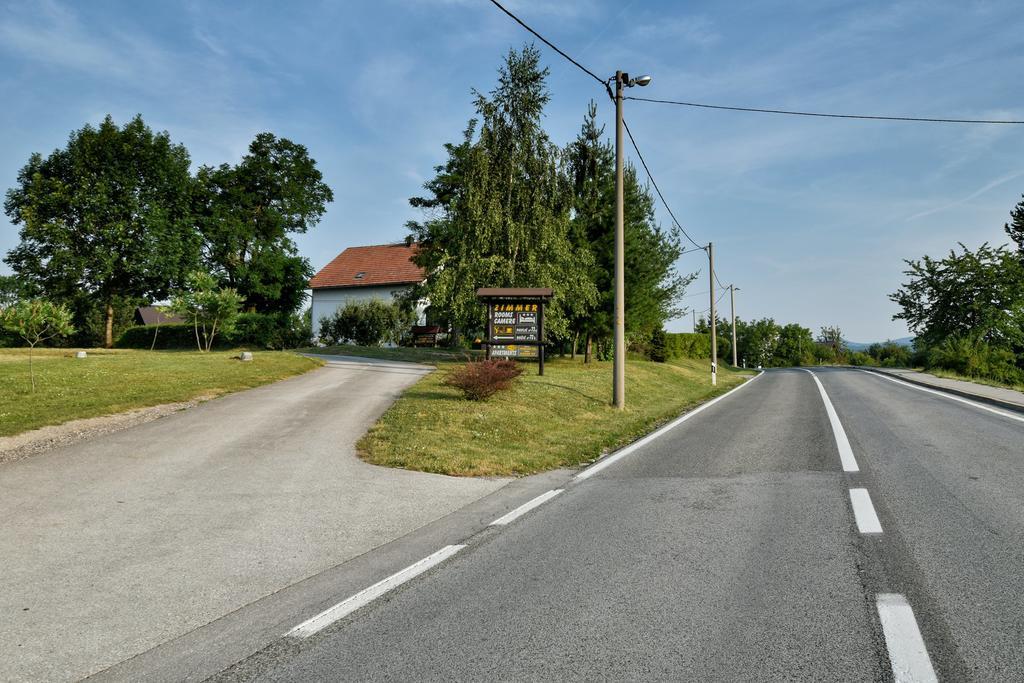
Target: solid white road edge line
[
  {"x": 525, "y": 507},
  {"x": 368, "y": 595},
  {"x": 623, "y": 452},
  {"x": 907, "y": 651},
  {"x": 845, "y": 452},
  {"x": 864, "y": 512},
  {"x": 951, "y": 397}
]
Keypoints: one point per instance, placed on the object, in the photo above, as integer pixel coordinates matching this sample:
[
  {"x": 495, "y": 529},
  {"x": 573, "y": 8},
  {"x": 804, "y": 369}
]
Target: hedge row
[
  {"x": 687, "y": 345},
  {"x": 252, "y": 330}
]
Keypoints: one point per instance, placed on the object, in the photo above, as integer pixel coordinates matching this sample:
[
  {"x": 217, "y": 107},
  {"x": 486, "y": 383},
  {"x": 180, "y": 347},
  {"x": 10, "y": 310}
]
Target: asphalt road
[
  {"x": 729, "y": 549},
  {"x": 115, "y": 546}
]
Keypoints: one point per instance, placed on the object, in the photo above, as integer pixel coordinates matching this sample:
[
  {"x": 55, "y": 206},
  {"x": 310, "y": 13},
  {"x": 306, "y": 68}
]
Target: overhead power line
[
  {"x": 719, "y": 281},
  {"x": 604, "y": 83},
  {"x": 657, "y": 189},
  {"x": 548, "y": 43},
  {"x": 919, "y": 119}
]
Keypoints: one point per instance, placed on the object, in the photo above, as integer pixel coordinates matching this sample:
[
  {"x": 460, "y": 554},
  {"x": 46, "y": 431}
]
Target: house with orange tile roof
[{"x": 381, "y": 271}]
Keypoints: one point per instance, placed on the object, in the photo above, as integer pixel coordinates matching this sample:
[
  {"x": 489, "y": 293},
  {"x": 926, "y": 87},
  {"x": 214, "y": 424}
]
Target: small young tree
[
  {"x": 36, "y": 321},
  {"x": 211, "y": 309}
]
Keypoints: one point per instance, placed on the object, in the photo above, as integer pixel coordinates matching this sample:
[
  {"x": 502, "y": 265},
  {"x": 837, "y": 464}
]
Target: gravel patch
[{"x": 44, "y": 439}]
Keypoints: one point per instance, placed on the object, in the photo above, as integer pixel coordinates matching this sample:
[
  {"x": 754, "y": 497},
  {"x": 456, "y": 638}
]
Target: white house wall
[{"x": 327, "y": 301}]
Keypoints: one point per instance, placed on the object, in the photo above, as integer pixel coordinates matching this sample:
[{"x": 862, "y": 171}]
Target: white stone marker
[
  {"x": 80, "y": 354},
  {"x": 246, "y": 355}
]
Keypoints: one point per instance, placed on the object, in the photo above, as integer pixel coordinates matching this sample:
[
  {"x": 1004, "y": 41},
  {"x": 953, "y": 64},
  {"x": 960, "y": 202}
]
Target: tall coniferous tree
[
  {"x": 652, "y": 286},
  {"x": 1015, "y": 228},
  {"x": 500, "y": 207}
]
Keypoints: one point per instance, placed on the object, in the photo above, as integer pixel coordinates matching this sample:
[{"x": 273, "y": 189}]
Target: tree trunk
[
  {"x": 575, "y": 341},
  {"x": 589, "y": 349},
  {"x": 109, "y": 341},
  {"x": 31, "y": 369}
]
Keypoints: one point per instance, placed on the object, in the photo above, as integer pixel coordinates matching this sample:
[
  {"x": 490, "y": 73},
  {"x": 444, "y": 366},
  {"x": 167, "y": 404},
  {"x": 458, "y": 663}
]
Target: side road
[
  {"x": 118, "y": 544},
  {"x": 996, "y": 396}
]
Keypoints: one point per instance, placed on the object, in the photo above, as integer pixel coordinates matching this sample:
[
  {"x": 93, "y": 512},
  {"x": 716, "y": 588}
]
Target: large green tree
[
  {"x": 795, "y": 347},
  {"x": 499, "y": 208},
  {"x": 106, "y": 219},
  {"x": 969, "y": 294},
  {"x": 10, "y": 290},
  {"x": 247, "y": 214},
  {"x": 653, "y": 288}
]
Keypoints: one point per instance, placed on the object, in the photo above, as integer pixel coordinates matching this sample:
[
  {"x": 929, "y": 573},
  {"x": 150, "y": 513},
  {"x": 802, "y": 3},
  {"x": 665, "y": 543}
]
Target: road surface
[
  {"x": 117, "y": 545},
  {"x": 761, "y": 539}
]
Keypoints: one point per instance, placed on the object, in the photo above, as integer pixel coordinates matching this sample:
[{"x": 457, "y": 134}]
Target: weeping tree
[{"x": 499, "y": 208}]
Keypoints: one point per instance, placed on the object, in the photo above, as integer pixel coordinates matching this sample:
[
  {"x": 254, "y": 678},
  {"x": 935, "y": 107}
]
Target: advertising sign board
[{"x": 515, "y": 323}]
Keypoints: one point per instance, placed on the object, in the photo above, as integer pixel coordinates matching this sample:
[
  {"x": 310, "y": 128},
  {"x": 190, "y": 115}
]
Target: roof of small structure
[{"x": 152, "y": 315}]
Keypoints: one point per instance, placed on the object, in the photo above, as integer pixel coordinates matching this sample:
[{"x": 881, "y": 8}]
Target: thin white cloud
[
  {"x": 698, "y": 31},
  {"x": 974, "y": 195},
  {"x": 54, "y": 35}
]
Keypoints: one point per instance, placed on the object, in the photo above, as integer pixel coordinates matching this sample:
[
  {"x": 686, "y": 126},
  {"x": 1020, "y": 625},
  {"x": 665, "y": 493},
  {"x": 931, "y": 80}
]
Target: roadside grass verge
[
  {"x": 112, "y": 381},
  {"x": 426, "y": 355},
  {"x": 542, "y": 423},
  {"x": 949, "y": 374}
]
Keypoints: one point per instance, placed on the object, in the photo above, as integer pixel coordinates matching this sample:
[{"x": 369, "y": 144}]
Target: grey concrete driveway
[{"x": 113, "y": 546}]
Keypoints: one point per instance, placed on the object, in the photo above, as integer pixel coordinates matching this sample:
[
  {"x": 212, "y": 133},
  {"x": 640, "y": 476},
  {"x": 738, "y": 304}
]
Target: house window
[{"x": 360, "y": 275}]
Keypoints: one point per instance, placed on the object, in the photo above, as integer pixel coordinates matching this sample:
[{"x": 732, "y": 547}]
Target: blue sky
[{"x": 811, "y": 218}]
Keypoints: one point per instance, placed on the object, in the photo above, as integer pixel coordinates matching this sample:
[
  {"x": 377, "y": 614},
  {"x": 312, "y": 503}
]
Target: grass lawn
[
  {"x": 542, "y": 423},
  {"x": 949, "y": 374},
  {"x": 110, "y": 381},
  {"x": 430, "y": 356}
]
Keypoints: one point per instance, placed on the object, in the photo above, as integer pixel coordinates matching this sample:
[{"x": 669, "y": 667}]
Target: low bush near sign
[{"x": 481, "y": 380}]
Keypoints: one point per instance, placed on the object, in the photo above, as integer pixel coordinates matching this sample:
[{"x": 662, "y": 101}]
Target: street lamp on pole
[
  {"x": 714, "y": 315},
  {"x": 732, "y": 300},
  {"x": 622, "y": 80}
]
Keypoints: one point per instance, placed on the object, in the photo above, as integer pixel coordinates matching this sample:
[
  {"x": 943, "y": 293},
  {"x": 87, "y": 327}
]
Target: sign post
[{"x": 515, "y": 322}]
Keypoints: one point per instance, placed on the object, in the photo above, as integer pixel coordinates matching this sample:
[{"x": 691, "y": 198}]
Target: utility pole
[
  {"x": 714, "y": 316},
  {"x": 622, "y": 80},
  {"x": 732, "y": 300},
  {"x": 619, "y": 383},
  {"x": 693, "y": 316}
]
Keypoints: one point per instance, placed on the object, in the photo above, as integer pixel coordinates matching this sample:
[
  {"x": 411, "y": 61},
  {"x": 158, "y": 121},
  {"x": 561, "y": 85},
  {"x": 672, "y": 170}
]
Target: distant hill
[{"x": 860, "y": 346}]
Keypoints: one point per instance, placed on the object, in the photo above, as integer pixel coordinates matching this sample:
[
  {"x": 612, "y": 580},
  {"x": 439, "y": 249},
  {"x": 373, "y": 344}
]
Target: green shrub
[
  {"x": 976, "y": 358},
  {"x": 861, "y": 358},
  {"x": 168, "y": 336},
  {"x": 687, "y": 345},
  {"x": 658, "y": 349},
  {"x": 890, "y": 355},
  {"x": 277, "y": 331},
  {"x": 367, "y": 323}
]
